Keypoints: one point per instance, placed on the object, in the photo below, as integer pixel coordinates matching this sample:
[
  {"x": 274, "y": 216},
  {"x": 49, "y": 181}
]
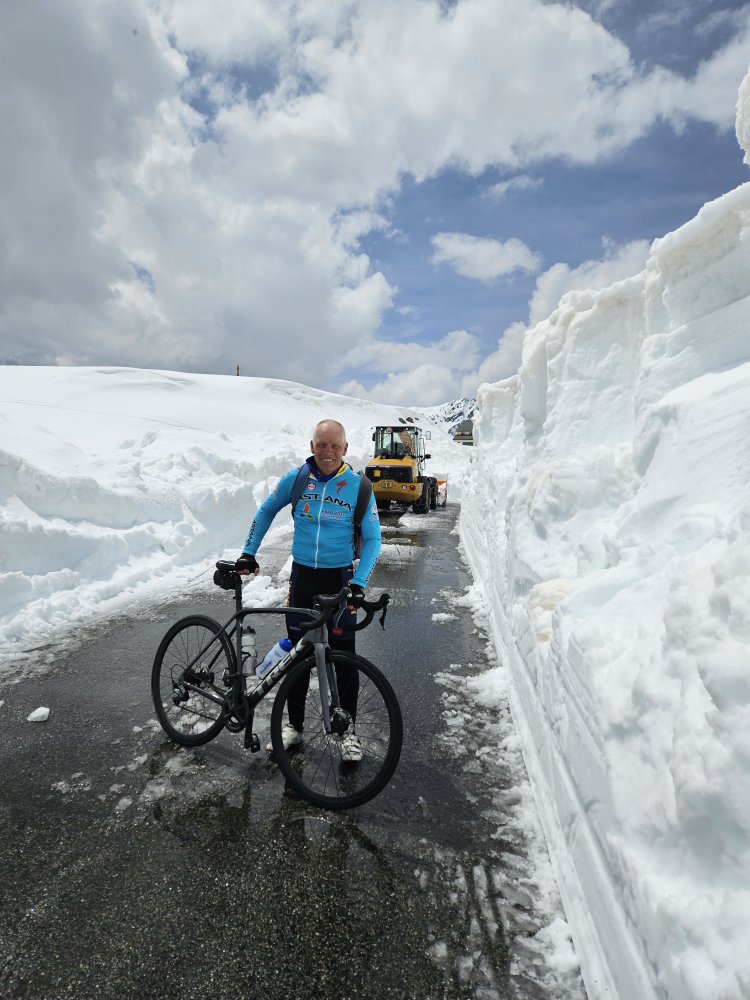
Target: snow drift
[{"x": 609, "y": 510}]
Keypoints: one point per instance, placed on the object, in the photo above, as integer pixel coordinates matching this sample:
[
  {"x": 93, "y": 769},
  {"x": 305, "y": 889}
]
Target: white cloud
[
  {"x": 80, "y": 89},
  {"x": 352, "y": 226},
  {"x": 424, "y": 385},
  {"x": 522, "y": 182},
  {"x": 227, "y": 32},
  {"x": 416, "y": 374},
  {"x": 116, "y": 180},
  {"x": 247, "y": 213},
  {"x": 618, "y": 263},
  {"x": 501, "y": 363},
  {"x": 458, "y": 351},
  {"x": 483, "y": 259}
]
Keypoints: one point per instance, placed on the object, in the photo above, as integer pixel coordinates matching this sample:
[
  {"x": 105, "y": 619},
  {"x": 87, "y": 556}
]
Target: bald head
[
  {"x": 328, "y": 425},
  {"x": 329, "y": 446}
]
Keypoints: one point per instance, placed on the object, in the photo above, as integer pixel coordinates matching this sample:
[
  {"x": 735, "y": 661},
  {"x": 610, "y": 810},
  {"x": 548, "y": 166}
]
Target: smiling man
[{"x": 323, "y": 554}]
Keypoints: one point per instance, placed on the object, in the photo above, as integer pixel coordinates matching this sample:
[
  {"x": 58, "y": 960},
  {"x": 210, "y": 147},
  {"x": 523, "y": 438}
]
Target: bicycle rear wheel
[
  {"x": 315, "y": 768},
  {"x": 188, "y": 656}
]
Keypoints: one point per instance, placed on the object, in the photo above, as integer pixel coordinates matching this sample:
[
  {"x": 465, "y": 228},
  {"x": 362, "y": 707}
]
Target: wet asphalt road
[{"x": 136, "y": 869}]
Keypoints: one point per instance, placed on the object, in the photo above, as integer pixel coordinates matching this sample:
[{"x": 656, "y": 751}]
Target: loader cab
[{"x": 400, "y": 443}]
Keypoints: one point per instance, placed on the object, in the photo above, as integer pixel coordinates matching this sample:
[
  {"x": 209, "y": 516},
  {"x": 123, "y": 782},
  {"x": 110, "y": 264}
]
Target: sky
[{"x": 374, "y": 198}]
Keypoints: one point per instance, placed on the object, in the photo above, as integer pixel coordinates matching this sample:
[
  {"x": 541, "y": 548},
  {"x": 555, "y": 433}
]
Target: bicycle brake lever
[{"x": 382, "y": 617}]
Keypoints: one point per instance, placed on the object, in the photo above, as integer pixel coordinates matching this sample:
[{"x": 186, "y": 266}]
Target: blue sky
[
  {"x": 652, "y": 188},
  {"x": 368, "y": 196}
]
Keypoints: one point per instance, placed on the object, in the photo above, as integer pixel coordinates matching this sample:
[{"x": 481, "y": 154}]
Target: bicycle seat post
[{"x": 239, "y": 681}]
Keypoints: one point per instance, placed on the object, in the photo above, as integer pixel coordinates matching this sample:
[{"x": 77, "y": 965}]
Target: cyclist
[{"x": 322, "y": 559}]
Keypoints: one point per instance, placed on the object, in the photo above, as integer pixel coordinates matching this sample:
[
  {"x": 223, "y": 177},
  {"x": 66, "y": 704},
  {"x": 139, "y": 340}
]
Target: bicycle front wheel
[
  {"x": 317, "y": 768},
  {"x": 189, "y": 680}
]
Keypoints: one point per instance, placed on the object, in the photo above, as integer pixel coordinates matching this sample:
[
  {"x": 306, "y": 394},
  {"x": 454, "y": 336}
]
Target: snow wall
[{"x": 608, "y": 509}]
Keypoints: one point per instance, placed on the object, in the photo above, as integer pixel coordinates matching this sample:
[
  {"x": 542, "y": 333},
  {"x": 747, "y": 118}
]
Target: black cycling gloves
[
  {"x": 246, "y": 564},
  {"x": 358, "y": 595}
]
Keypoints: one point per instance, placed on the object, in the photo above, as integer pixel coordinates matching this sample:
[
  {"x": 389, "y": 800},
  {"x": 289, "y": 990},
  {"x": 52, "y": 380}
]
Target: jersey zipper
[
  {"x": 320, "y": 511},
  {"x": 322, "y": 500}
]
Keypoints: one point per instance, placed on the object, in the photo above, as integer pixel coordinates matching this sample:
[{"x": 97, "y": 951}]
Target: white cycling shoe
[
  {"x": 290, "y": 737},
  {"x": 351, "y": 749}
]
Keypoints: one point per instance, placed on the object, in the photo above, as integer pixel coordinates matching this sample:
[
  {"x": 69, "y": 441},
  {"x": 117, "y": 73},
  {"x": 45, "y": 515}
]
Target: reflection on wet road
[{"x": 136, "y": 869}]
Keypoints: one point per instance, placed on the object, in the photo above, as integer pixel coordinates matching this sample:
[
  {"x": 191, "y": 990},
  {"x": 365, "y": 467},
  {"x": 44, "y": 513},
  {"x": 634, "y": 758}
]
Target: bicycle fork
[{"x": 327, "y": 684}]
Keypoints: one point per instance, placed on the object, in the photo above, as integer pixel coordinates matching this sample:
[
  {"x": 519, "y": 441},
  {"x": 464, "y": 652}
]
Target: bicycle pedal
[{"x": 252, "y": 743}]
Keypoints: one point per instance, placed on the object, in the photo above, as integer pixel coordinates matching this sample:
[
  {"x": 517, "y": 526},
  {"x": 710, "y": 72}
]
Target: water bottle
[
  {"x": 249, "y": 650},
  {"x": 273, "y": 656}
]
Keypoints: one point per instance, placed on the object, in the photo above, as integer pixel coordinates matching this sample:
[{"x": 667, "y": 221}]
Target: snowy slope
[
  {"x": 449, "y": 415},
  {"x": 117, "y": 482},
  {"x": 609, "y": 510}
]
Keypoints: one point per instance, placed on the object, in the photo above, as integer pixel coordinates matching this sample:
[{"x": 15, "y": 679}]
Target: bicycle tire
[
  {"x": 314, "y": 768},
  {"x": 192, "y": 720}
]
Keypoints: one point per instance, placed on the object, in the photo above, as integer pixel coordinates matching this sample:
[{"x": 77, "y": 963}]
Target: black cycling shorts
[{"x": 304, "y": 583}]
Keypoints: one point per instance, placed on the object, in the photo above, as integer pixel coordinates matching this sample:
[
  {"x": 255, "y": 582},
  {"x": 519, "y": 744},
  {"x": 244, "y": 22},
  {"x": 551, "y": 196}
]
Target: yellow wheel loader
[{"x": 397, "y": 469}]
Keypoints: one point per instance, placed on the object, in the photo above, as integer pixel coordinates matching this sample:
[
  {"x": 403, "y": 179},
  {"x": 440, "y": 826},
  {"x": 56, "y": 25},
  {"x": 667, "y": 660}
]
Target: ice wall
[{"x": 608, "y": 511}]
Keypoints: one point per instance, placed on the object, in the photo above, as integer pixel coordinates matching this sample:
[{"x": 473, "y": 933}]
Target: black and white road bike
[{"x": 199, "y": 688}]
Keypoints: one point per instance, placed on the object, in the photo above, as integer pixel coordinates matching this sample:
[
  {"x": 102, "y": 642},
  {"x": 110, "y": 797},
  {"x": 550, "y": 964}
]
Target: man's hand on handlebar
[
  {"x": 247, "y": 565},
  {"x": 326, "y": 605},
  {"x": 357, "y": 597}
]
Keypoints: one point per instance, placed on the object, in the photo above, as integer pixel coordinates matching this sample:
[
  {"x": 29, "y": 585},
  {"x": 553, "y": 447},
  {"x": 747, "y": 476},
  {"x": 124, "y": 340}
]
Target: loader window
[
  {"x": 384, "y": 439},
  {"x": 394, "y": 443},
  {"x": 404, "y": 445}
]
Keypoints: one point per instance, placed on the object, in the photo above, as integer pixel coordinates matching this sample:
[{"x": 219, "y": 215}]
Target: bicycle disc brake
[{"x": 235, "y": 713}]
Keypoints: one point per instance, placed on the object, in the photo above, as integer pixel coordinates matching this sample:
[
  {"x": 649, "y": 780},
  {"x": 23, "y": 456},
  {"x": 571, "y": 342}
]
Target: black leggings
[{"x": 304, "y": 584}]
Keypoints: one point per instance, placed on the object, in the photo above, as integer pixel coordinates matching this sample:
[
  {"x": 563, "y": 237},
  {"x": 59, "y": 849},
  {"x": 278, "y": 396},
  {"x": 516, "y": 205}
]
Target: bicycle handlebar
[
  {"x": 370, "y": 608},
  {"x": 330, "y": 602},
  {"x": 324, "y": 605}
]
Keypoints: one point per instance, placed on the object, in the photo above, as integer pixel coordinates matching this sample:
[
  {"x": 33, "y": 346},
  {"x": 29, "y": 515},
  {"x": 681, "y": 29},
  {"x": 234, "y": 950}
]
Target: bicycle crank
[{"x": 235, "y": 713}]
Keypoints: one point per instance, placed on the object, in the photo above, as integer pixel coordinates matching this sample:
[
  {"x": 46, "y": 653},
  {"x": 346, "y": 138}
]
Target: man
[{"x": 322, "y": 557}]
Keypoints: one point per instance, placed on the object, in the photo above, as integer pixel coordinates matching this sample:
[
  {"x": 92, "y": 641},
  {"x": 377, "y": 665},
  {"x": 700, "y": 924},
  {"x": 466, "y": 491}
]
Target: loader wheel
[
  {"x": 433, "y": 494},
  {"x": 384, "y": 504},
  {"x": 422, "y": 505}
]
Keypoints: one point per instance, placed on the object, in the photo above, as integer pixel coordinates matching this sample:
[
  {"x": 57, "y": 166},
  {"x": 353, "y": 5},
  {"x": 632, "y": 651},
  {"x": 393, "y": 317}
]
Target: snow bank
[
  {"x": 742, "y": 126},
  {"x": 118, "y": 483},
  {"x": 609, "y": 512}
]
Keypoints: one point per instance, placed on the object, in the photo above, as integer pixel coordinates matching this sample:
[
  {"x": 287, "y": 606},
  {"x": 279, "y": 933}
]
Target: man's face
[{"x": 329, "y": 447}]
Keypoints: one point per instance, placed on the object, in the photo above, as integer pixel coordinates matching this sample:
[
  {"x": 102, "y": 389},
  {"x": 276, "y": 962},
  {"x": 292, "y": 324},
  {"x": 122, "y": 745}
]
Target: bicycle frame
[
  {"x": 346, "y": 727},
  {"x": 239, "y": 705}
]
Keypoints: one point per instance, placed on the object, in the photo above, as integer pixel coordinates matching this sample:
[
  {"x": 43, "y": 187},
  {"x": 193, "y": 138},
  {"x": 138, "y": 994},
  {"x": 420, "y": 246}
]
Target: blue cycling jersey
[{"x": 323, "y": 522}]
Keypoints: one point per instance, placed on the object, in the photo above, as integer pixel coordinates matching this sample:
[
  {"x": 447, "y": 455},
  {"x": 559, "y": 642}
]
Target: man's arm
[
  {"x": 265, "y": 514},
  {"x": 371, "y": 545}
]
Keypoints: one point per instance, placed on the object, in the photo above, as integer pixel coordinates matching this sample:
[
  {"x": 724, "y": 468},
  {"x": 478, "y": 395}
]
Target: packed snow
[{"x": 608, "y": 513}]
